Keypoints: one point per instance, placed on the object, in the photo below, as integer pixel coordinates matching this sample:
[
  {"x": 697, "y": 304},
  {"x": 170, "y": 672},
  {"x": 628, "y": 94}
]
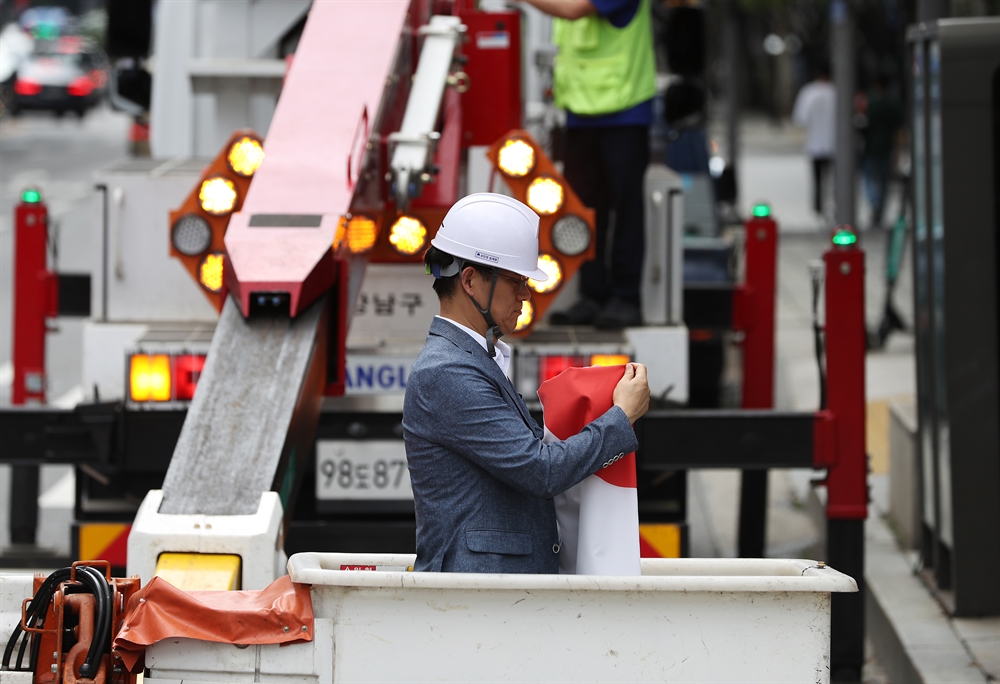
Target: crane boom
[
  {"x": 252, "y": 423},
  {"x": 338, "y": 89},
  {"x": 256, "y": 409}
]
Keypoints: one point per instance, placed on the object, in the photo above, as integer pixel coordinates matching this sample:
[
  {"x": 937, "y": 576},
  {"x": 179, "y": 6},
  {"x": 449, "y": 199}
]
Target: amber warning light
[
  {"x": 157, "y": 378},
  {"x": 408, "y": 235},
  {"x": 516, "y": 158},
  {"x": 553, "y": 269},
  {"x": 198, "y": 227},
  {"x": 527, "y": 316},
  {"x": 245, "y": 156},
  {"x": 566, "y": 227}
]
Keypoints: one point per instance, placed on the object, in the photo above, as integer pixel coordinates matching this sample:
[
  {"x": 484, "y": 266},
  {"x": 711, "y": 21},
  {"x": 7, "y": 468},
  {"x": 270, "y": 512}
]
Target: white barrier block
[{"x": 254, "y": 538}]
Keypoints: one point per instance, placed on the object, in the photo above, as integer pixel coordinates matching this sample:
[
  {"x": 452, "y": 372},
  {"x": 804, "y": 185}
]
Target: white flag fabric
[{"x": 599, "y": 517}]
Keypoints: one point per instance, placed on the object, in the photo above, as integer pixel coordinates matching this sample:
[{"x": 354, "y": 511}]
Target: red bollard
[
  {"x": 756, "y": 306},
  {"x": 36, "y": 297},
  {"x": 844, "y": 450},
  {"x": 846, "y": 481},
  {"x": 754, "y": 315}
]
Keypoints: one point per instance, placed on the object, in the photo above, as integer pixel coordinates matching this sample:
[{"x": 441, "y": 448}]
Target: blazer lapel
[{"x": 508, "y": 387}]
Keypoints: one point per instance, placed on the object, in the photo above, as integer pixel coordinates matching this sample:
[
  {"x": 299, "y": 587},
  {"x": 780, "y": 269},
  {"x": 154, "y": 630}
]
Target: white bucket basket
[{"x": 683, "y": 620}]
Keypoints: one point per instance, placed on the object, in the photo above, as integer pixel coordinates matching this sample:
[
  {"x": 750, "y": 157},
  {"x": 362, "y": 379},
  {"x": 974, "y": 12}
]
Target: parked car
[
  {"x": 15, "y": 46},
  {"x": 68, "y": 74}
]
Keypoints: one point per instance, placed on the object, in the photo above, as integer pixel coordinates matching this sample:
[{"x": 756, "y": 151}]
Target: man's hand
[{"x": 632, "y": 392}]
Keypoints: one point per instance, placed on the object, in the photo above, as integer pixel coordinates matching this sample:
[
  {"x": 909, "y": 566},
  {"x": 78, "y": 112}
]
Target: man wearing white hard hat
[{"x": 482, "y": 479}]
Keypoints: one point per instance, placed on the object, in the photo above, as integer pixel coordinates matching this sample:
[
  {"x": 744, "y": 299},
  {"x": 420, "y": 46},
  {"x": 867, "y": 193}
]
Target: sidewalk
[
  {"x": 912, "y": 638},
  {"x": 774, "y": 169}
]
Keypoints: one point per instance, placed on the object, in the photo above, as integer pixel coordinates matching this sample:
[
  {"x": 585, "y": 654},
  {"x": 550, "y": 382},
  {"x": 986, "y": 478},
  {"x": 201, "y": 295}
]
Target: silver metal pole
[{"x": 845, "y": 157}]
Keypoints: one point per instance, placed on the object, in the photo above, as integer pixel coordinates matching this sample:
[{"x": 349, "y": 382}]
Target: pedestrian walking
[
  {"x": 883, "y": 119},
  {"x": 815, "y": 110}
]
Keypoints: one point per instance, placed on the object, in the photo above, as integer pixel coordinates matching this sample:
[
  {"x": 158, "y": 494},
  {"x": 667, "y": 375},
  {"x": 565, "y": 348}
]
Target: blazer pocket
[{"x": 499, "y": 541}]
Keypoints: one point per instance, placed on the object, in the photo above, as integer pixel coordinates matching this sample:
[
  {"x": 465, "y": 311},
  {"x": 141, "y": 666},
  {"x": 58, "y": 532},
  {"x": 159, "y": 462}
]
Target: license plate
[{"x": 362, "y": 470}]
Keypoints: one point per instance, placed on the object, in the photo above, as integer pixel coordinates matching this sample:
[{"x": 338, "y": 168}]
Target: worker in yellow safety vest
[{"x": 605, "y": 79}]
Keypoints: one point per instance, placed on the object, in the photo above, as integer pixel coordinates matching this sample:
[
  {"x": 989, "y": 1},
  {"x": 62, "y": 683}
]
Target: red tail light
[
  {"x": 25, "y": 87},
  {"x": 80, "y": 87},
  {"x": 187, "y": 370},
  {"x": 551, "y": 366}
]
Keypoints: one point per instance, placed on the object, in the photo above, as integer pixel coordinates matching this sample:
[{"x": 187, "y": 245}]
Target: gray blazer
[{"x": 483, "y": 481}]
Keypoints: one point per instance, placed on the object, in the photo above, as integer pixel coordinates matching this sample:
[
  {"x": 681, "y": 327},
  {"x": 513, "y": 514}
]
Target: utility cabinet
[{"x": 956, "y": 184}]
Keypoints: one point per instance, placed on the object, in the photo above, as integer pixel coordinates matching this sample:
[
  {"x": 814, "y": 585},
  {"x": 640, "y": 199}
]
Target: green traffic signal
[
  {"x": 31, "y": 196},
  {"x": 761, "y": 210},
  {"x": 46, "y": 31},
  {"x": 844, "y": 238}
]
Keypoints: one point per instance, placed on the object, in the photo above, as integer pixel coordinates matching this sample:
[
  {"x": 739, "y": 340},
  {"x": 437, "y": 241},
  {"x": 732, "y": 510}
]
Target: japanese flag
[{"x": 598, "y": 518}]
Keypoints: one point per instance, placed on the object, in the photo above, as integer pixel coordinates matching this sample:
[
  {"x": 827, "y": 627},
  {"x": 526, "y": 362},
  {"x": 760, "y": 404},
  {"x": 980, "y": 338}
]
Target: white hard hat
[{"x": 493, "y": 230}]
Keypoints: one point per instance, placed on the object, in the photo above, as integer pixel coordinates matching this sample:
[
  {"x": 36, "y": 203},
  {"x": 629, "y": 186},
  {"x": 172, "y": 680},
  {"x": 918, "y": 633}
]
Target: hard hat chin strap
[{"x": 493, "y": 331}]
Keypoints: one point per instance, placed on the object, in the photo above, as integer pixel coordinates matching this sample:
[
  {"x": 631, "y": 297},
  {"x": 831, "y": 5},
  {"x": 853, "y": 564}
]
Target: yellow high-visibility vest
[{"x": 601, "y": 69}]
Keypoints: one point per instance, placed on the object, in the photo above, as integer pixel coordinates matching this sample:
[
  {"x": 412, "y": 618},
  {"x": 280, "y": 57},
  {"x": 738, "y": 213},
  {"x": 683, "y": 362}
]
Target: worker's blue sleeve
[{"x": 618, "y": 12}]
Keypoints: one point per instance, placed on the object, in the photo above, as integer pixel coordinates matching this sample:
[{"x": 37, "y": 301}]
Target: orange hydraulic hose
[{"x": 84, "y": 606}]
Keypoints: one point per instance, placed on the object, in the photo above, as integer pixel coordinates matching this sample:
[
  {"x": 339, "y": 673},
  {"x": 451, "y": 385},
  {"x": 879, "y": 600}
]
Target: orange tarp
[{"x": 280, "y": 614}]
